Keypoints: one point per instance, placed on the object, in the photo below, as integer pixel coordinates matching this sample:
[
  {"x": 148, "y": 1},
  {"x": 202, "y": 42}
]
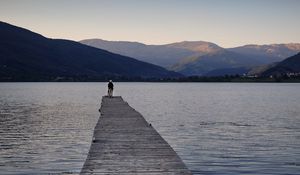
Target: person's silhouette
[{"x": 110, "y": 89}]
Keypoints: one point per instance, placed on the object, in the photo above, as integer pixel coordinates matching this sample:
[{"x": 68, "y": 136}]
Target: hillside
[
  {"x": 163, "y": 55},
  {"x": 289, "y": 65},
  {"x": 156, "y": 54},
  {"x": 28, "y": 56},
  {"x": 219, "y": 61},
  {"x": 228, "y": 71},
  {"x": 200, "y": 57},
  {"x": 213, "y": 60}
]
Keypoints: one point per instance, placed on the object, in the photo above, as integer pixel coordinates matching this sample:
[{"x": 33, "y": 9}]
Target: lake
[{"x": 216, "y": 128}]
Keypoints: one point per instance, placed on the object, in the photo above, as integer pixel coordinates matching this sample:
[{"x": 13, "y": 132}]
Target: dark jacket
[{"x": 110, "y": 85}]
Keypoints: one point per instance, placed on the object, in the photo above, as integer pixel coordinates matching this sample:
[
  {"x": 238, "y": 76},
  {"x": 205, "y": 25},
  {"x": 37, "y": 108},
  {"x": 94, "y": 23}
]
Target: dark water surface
[{"x": 216, "y": 128}]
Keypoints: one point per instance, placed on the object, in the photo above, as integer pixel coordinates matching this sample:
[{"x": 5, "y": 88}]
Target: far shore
[{"x": 225, "y": 79}]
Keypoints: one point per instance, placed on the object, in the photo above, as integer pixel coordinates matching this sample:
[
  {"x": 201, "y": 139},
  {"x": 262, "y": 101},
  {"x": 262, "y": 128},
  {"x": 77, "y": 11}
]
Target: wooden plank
[{"x": 124, "y": 143}]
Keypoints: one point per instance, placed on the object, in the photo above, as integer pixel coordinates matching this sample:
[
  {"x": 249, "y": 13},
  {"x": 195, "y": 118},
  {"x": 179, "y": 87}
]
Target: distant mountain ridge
[
  {"x": 28, "y": 56},
  {"x": 201, "y": 47},
  {"x": 200, "y": 57},
  {"x": 276, "y": 52},
  {"x": 155, "y": 54}
]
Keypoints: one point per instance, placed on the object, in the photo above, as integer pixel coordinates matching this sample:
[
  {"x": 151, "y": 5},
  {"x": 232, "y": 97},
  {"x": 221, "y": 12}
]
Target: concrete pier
[{"x": 124, "y": 143}]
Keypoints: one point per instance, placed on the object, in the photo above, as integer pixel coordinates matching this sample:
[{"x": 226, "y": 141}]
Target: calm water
[{"x": 216, "y": 128}]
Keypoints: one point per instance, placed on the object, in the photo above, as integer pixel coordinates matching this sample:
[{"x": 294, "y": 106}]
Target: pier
[{"x": 125, "y": 143}]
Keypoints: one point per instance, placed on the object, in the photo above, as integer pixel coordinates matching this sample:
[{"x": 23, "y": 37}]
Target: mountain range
[
  {"x": 159, "y": 55},
  {"x": 28, "y": 56},
  {"x": 200, "y": 57}
]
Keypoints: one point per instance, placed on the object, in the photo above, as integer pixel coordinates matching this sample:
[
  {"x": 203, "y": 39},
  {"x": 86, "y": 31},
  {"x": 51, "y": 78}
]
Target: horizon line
[{"x": 160, "y": 44}]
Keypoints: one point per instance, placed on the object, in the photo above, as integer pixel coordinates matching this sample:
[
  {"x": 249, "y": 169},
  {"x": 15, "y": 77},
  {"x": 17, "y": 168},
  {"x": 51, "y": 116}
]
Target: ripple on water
[{"x": 216, "y": 128}]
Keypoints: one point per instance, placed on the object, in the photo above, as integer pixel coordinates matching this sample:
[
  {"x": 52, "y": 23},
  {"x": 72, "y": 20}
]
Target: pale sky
[{"x": 227, "y": 23}]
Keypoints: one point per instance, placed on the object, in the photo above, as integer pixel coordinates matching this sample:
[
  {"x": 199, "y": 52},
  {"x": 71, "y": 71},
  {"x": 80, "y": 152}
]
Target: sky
[{"x": 228, "y": 23}]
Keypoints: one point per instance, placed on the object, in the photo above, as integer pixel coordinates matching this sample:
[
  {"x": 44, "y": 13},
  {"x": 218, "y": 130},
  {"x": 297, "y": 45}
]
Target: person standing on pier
[{"x": 110, "y": 88}]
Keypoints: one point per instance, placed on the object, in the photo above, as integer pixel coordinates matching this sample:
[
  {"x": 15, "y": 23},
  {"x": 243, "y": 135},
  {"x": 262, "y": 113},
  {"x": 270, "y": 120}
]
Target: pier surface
[{"x": 124, "y": 143}]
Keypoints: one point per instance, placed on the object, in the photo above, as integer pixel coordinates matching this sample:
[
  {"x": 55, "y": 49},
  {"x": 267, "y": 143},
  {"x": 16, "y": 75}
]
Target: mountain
[
  {"x": 200, "y": 47},
  {"x": 218, "y": 61},
  {"x": 161, "y": 55},
  {"x": 289, "y": 65},
  {"x": 269, "y": 53},
  {"x": 249, "y": 59},
  {"x": 25, "y": 55},
  {"x": 200, "y": 57}
]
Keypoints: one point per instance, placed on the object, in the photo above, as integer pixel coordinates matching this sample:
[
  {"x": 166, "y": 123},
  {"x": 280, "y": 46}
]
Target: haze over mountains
[
  {"x": 200, "y": 57},
  {"x": 26, "y": 56}
]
